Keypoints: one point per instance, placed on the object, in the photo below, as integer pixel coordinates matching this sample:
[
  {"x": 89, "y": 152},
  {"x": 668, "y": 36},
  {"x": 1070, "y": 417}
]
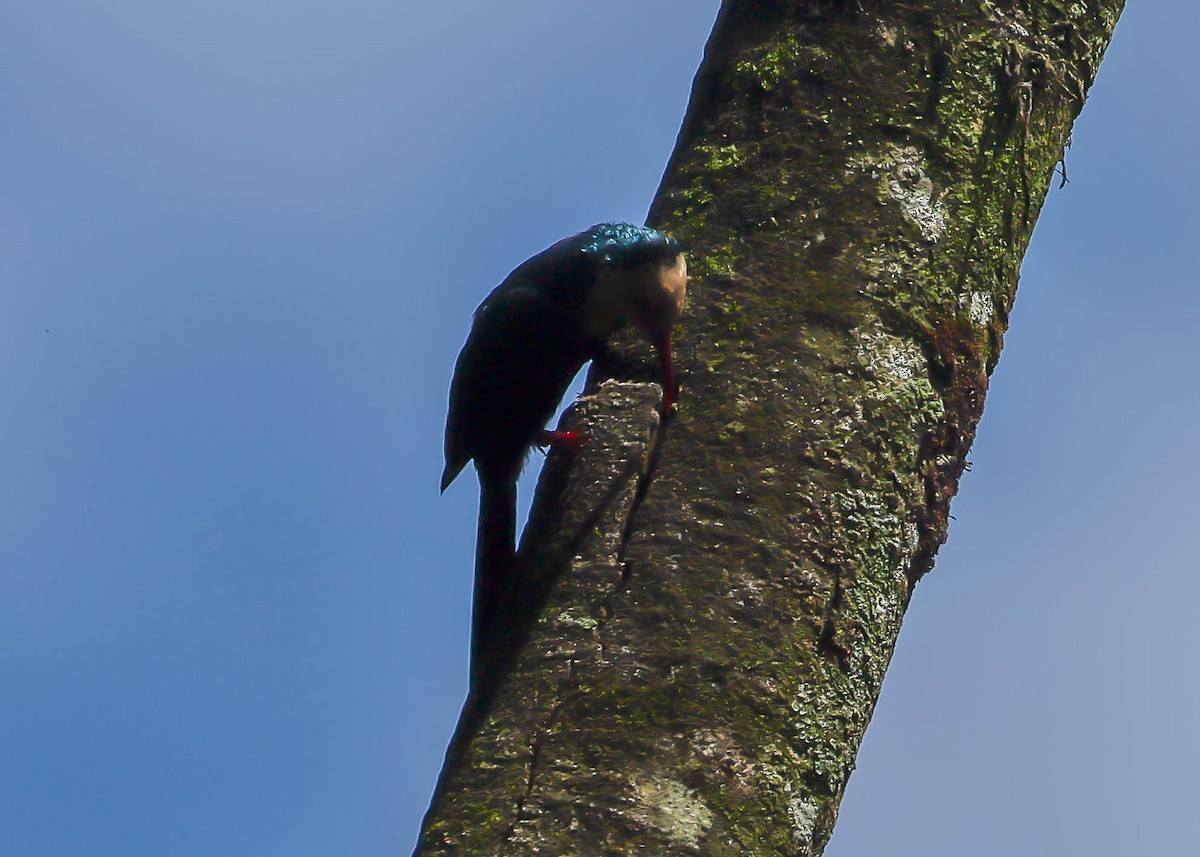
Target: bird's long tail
[{"x": 495, "y": 555}]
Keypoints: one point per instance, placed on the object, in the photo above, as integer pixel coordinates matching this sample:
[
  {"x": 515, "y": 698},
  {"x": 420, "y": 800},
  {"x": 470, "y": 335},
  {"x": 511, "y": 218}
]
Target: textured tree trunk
[{"x": 713, "y": 602}]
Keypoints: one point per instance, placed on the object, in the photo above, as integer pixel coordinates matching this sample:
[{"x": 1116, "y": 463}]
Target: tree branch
[{"x": 856, "y": 183}]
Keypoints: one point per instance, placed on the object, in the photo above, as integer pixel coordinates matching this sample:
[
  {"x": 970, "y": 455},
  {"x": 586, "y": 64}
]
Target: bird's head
[{"x": 641, "y": 276}]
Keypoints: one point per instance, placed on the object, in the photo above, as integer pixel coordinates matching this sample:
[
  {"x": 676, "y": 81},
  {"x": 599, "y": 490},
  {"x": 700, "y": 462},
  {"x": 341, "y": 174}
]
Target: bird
[{"x": 528, "y": 339}]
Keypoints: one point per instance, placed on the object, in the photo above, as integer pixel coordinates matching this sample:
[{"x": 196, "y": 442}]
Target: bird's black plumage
[
  {"x": 525, "y": 346},
  {"x": 529, "y": 338}
]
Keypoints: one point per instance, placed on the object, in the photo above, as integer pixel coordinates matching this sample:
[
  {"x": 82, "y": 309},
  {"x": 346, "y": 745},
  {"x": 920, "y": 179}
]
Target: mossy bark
[{"x": 856, "y": 183}]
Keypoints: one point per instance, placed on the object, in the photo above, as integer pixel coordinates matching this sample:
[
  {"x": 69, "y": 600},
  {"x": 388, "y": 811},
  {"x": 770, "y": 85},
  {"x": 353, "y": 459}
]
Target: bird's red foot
[{"x": 571, "y": 441}]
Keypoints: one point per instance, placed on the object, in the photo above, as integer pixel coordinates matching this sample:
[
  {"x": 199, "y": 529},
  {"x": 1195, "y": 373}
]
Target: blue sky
[{"x": 239, "y": 248}]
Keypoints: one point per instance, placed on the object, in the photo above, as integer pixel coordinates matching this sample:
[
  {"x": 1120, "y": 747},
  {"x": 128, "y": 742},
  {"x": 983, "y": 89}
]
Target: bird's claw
[{"x": 571, "y": 441}]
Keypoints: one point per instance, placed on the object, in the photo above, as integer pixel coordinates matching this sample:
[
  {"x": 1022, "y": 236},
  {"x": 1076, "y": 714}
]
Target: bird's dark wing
[{"x": 524, "y": 347}]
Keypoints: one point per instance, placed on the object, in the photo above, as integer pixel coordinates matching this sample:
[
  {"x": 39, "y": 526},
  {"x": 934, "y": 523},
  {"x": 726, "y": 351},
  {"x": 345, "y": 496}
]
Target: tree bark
[{"x": 712, "y": 603}]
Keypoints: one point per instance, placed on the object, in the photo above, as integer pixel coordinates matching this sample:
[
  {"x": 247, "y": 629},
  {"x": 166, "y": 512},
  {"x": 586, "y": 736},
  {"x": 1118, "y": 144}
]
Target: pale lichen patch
[
  {"x": 779, "y": 776},
  {"x": 981, "y": 307},
  {"x": 904, "y": 181},
  {"x": 803, "y": 815},
  {"x": 889, "y": 356},
  {"x": 578, "y": 619},
  {"x": 673, "y": 809},
  {"x": 914, "y": 191}
]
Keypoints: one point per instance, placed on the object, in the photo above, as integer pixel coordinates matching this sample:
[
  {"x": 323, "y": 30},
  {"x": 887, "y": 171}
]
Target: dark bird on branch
[{"x": 529, "y": 338}]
